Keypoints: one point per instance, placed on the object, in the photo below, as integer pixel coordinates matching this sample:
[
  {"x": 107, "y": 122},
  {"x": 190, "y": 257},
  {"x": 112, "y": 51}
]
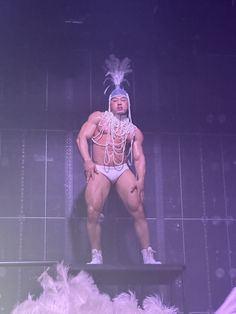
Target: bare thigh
[
  {"x": 96, "y": 192},
  {"x": 124, "y": 187}
]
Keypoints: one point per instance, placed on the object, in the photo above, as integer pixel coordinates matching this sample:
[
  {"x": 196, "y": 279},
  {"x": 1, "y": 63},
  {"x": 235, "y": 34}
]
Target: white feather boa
[{"x": 79, "y": 295}]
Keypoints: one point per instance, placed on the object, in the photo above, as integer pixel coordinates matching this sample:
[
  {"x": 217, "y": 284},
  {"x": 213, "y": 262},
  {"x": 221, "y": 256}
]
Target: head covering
[{"x": 115, "y": 73}]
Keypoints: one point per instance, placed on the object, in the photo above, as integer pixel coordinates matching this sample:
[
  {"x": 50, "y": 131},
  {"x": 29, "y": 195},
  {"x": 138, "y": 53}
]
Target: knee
[
  {"x": 136, "y": 210},
  {"x": 93, "y": 213},
  {"x": 135, "y": 205}
]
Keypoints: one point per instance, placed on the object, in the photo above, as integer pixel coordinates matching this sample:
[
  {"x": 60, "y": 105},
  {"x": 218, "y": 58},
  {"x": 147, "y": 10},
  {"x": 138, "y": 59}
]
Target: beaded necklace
[{"x": 115, "y": 145}]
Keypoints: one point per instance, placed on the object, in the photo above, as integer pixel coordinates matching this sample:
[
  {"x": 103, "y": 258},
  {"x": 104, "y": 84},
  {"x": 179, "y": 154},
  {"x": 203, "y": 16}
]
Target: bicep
[
  {"x": 137, "y": 150},
  {"x": 138, "y": 146}
]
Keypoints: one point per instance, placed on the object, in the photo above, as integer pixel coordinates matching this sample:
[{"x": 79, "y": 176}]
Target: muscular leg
[
  {"x": 95, "y": 195},
  {"x": 133, "y": 203}
]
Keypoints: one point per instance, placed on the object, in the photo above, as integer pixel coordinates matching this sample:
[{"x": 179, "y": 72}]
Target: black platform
[
  {"x": 116, "y": 274},
  {"x": 131, "y": 274}
]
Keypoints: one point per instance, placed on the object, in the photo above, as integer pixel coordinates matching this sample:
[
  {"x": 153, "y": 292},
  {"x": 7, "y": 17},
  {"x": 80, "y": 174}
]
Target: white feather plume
[
  {"x": 154, "y": 305},
  {"x": 79, "y": 295},
  {"x": 126, "y": 303},
  {"x": 116, "y": 70}
]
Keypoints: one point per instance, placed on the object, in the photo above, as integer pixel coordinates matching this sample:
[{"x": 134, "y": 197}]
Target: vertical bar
[
  {"x": 68, "y": 194},
  {"x": 21, "y": 214},
  {"x": 205, "y": 224},
  {"x": 45, "y": 196},
  {"x": 46, "y": 92},
  {"x": 159, "y": 200},
  {"x": 45, "y": 172},
  {"x": 90, "y": 83},
  {"x": 226, "y": 209},
  {"x": 181, "y": 197}
]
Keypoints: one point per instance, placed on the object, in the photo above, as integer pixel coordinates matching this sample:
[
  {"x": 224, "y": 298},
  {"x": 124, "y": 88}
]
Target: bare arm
[
  {"x": 86, "y": 132},
  {"x": 139, "y": 162},
  {"x": 139, "y": 158}
]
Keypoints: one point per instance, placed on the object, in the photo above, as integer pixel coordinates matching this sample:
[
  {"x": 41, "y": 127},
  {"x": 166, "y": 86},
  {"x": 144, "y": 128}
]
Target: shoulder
[{"x": 95, "y": 117}]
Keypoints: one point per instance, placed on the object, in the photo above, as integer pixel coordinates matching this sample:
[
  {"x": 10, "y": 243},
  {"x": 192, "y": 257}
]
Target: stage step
[
  {"x": 26, "y": 263},
  {"x": 131, "y": 274}
]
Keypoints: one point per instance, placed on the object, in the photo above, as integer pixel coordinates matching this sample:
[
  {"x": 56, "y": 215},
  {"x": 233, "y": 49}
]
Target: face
[{"x": 119, "y": 105}]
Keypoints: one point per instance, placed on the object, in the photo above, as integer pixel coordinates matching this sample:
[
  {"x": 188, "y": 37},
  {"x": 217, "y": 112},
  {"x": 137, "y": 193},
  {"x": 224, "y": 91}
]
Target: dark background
[{"x": 182, "y": 90}]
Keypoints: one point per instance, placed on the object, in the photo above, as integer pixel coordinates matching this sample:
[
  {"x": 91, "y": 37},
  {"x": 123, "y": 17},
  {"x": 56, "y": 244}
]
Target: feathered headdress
[{"x": 116, "y": 70}]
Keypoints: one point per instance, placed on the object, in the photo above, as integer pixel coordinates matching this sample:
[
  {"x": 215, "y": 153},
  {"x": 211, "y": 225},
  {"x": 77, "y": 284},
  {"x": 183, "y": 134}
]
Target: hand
[
  {"x": 139, "y": 186},
  {"x": 89, "y": 170}
]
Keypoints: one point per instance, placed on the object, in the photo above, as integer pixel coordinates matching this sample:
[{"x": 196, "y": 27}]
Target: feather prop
[
  {"x": 79, "y": 295},
  {"x": 154, "y": 305},
  {"x": 126, "y": 303}
]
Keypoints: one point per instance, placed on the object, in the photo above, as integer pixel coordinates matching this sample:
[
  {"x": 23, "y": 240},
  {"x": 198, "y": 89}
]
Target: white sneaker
[
  {"x": 96, "y": 257},
  {"x": 148, "y": 257}
]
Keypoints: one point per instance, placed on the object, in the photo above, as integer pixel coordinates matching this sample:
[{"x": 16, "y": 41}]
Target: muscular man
[{"x": 114, "y": 139}]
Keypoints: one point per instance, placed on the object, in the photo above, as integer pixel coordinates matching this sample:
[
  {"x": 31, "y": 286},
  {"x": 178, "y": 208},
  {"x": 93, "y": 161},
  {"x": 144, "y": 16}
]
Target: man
[{"x": 114, "y": 139}]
